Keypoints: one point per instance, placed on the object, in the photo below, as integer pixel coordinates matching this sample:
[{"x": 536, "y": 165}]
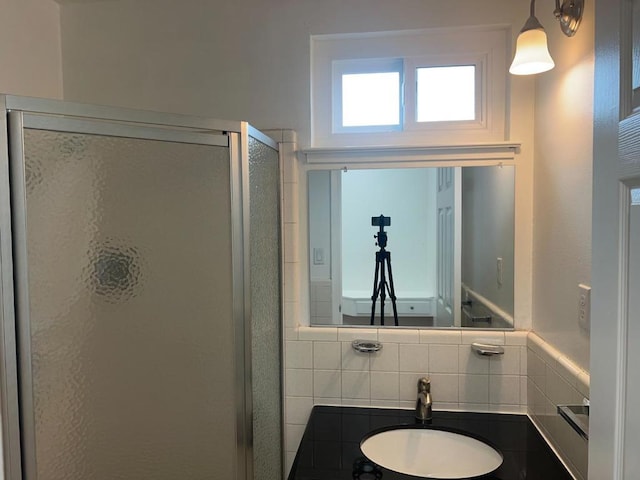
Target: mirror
[{"x": 443, "y": 247}]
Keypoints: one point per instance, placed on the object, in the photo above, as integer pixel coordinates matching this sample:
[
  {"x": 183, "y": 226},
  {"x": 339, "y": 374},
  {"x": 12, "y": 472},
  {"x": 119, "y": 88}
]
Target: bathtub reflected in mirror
[{"x": 450, "y": 241}]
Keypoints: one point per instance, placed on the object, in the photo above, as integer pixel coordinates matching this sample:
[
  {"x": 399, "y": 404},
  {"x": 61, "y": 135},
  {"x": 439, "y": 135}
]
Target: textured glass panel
[
  {"x": 130, "y": 306},
  {"x": 264, "y": 180}
]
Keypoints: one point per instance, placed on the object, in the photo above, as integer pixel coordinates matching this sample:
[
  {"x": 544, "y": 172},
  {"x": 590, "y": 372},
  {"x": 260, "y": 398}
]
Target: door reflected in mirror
[{"x": 444, "y": 257}]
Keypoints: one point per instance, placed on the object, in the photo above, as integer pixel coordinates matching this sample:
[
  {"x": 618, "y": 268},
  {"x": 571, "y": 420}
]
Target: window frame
[
  {"x": 486, "y": 47},
  {"x": 411, "y": 91}
]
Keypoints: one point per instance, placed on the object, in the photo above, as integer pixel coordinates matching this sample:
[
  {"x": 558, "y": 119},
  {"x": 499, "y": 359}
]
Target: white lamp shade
[{"x": 532, "y": 55}]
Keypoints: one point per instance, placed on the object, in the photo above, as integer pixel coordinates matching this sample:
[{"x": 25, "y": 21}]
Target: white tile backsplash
[
  {"x": 290, "y": 212},
  {"x": 506, "y": 364},
  {"x": 444, "y": 387},
  {"x": 408, "y": 383},
  {"x": 290, "y": 239},
  {"x": 384, "y": 386},
  {"x": 385, "y": 360},
  {"x": 482, "y": 336},
  {"x": 351, "y": 334},
  {"x": 318, "y": 333},
  {"x": 398, "y": 336},
  {"x": 327, "y": 384},
  {"x": 516, "y": 338},
  {"x": 474, "y": 388},
  {"x": 443, "y": 358},
  {"x": 293, "y": 437},
  {"x": 354, "y": 360},
  {"x": 298, "y": 354},
  {"x": 552, "y": 380},
  {"x": 504, "y": 389},
  {"x": 471, "y": 362},
  {"x": 414, "y": 358},
  {"x": 356, "y": 385},
  {"x": 299, "y": 383},
  {"x": 291, "y": 282},
  {"x": 327, "y": 355},
  {"x": 298, "y": 410},
  {"x": 440, "y": 337},
  {"x": 290, "y": 315}
]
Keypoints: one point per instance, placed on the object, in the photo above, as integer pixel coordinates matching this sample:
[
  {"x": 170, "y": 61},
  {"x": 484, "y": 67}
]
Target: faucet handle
[
  {"x": 424, "y": 384},
  {"x": 424, "y": 404}
]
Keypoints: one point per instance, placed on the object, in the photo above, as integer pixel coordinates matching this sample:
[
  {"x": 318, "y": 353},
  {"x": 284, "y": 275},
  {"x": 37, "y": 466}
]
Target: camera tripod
[{"x": 383, "y": 262}]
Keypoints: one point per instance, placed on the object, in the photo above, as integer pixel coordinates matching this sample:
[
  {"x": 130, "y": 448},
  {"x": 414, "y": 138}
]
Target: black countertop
[{"x": 330, "y": 447}]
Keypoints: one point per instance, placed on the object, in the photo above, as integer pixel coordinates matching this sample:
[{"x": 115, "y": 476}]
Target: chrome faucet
[{"x": 424, "y": 406}]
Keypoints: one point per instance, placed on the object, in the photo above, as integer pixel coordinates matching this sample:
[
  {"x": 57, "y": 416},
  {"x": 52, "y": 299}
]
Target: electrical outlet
[{"x": 584, "y": 306}]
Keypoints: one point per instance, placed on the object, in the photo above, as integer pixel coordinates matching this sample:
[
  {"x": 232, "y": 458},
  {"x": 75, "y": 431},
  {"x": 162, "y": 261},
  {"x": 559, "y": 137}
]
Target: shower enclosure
[{"x": 140, "y": 287}]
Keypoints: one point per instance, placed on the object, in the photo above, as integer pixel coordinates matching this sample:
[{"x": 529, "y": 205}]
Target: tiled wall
[
  {"x": 554, "y": 380},
  {"x": 322, "y": 368}
]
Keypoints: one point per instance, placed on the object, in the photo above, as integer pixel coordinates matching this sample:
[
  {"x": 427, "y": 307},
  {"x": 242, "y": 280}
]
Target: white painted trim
[
  {"x": 439, "y": 45},
  {"x": 500, "y": 151},
  {"x": 622, "y": 320},
  {"x": 336, "y": 247}
]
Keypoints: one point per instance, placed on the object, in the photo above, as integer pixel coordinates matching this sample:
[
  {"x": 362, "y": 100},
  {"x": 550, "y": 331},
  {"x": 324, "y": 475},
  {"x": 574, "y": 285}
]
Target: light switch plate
[
  {"x": 318, "y": 256},
  {"x": 584, "y": 306}
]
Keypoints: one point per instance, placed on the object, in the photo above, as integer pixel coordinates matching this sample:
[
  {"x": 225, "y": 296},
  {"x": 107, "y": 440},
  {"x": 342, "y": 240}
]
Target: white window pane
[
  {"x": 370, "y": 99},
  {"x": 446, "y": 94},
  {"x": 635, "y": 196}
]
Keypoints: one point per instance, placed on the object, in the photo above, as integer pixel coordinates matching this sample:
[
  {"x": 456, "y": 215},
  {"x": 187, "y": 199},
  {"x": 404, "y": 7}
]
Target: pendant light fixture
[{"x": 532, "y": 54}]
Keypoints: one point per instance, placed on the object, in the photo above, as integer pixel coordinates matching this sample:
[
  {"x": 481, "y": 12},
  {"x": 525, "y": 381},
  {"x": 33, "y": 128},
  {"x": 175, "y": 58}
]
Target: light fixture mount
[{"x": 569, "y": 14}]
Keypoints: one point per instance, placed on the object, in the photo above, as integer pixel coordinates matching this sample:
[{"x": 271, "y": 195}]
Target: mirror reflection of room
[{"x": 449, "y": 238}]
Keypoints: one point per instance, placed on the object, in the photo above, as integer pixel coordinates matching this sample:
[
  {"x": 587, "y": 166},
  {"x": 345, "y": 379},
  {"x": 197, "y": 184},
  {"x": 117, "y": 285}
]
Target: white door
[
  {"x": 615, "y": 329},
  {"x": 448, "y": 202}
]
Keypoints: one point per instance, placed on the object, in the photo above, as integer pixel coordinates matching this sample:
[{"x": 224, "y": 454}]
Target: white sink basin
[{"x": 431, "y": 453}]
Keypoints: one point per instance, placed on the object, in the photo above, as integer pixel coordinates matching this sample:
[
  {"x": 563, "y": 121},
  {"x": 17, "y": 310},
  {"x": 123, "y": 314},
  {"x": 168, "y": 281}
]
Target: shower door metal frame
[{"x": 15, "y": 382}]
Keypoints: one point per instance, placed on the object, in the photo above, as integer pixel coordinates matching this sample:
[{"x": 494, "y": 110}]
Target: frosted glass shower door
[
  {"x": 264, "y": 216},
  {"x": 126, "y": 331}
]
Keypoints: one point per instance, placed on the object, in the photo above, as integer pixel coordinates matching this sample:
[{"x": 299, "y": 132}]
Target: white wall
[
  {"x": 30, "y": 55},
  {"x": 563, "y": 181},
  {"x": 247, "y": 59}
]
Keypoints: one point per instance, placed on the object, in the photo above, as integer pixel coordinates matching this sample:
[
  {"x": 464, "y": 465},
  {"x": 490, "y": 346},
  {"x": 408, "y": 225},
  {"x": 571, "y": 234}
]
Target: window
[
  {"x": 367, "y": 95},
  {"x": 440, "y": 86},
  {"x": 370, "y": 99},
  {"x": 446, "y": 94}
]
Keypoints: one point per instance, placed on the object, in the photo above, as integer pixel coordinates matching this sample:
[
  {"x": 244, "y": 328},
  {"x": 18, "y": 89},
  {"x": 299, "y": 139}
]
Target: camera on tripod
[
  {"x": 383, "y": 270},
  {"x": 381, "y": 221}
]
